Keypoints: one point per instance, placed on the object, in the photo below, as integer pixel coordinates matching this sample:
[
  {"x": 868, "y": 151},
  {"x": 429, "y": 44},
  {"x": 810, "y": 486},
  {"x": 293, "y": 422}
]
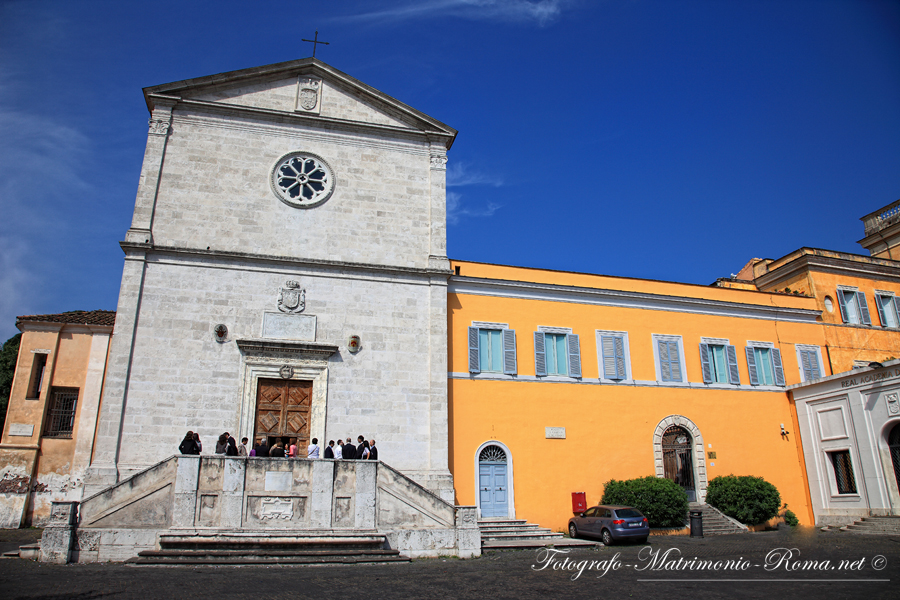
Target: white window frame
[
  {"x": 566, "y": 331},
  {"x": 879, "y": 294},
  {"x": 722, "y": 342},
  {"x": 663, "y": 337},
  {"x": 832, "y": 480},
  {"x": 629, "y": 378},
  {"x": 495, "y": 327},
  {"x": 843, "y": 310},
  {"x": 771, "y": 346},
  {"x": 809, "y": 348}
]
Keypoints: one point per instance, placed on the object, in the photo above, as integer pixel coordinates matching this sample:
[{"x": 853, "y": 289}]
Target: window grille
[
  {"x": 61, "y": 417},
  {"x": 843, "y": 472},
  {"x": 492, "y": 454}
]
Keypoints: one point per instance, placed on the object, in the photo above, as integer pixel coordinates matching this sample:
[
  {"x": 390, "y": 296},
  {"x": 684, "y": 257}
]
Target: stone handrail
[{"x": 882, "y": 218}]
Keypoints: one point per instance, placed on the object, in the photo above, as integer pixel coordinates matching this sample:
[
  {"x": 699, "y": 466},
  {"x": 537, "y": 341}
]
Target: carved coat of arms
[
  {"x": 291, "y": 299},
  {"x": 308, "y": 94}
]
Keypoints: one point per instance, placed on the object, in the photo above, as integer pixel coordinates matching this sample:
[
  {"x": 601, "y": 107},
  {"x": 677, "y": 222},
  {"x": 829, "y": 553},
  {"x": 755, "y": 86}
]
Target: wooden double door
[{"x": 282, "y": 410}]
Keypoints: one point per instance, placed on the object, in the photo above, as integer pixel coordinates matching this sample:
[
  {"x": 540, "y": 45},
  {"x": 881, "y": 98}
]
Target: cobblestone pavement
[{"x": 871, "y": 569}]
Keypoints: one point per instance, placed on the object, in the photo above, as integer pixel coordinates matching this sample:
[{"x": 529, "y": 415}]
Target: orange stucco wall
[{"x": 610, "y": 427}]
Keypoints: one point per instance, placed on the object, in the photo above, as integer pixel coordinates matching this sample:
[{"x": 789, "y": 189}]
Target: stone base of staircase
[
  {"x": 249, "y": 548},
  {"x": 875, "y": 526},
  {"x": 510, "y": 534},
  {"x": 715, "y": 523}
]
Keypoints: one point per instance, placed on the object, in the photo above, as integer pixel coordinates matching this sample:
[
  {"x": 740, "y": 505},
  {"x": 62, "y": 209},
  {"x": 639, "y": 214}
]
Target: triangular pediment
[{"x": 306, "y": 88}]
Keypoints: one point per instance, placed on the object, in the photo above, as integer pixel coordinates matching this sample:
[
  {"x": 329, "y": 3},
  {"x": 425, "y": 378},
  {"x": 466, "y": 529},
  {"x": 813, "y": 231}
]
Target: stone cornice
[
  {"x": 148, "y": 249},
  {"x": 309, "y": 119},
  {"x": 626, "y": 299},
  {"x": 842, "y": 264},
  {"x": 259, "y": 346}
]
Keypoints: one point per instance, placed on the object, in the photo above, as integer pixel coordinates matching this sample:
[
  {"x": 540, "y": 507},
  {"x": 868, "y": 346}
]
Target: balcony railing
[{"x": 882, "y": 218}]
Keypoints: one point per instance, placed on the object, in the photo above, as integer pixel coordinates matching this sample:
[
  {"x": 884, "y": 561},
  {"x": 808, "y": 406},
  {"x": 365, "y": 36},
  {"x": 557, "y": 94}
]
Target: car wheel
[
  {"x": 573, "y": 531},
  {"x": 607, "y": 537}
]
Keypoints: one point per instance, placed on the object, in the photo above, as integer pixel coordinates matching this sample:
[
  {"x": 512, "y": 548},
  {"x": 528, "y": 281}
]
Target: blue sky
[{"x": 658, "y": 139}]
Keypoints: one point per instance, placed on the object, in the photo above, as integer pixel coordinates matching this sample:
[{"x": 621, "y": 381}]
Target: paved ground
[{"x": 871, "y": 570}]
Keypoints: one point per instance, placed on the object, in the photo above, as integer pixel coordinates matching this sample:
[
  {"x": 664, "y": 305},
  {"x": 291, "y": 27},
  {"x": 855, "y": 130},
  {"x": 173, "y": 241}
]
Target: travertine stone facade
[{"x": 211, "y": 243}]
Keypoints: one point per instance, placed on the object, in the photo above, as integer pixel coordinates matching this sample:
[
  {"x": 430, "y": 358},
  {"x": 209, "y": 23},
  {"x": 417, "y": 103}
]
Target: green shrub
[
  {"x": 789, "y": 517},
  {"x": 748, "y": 499},
  {"x": 662, "y": 501}
]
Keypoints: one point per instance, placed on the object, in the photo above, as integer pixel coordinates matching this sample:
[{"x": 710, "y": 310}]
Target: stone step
[
  {"x": 489, "y": 545},
  {"x": 194, "y": 541},
  {"x": 549, "y": 535},
  {"x": 188, "y": 559},
  {"x": 502, "y": 529}
]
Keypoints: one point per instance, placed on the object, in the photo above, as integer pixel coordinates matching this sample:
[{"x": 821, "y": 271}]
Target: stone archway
[
  {"x": 698, "y": 454},
  {"x": 494, "y": 489}
]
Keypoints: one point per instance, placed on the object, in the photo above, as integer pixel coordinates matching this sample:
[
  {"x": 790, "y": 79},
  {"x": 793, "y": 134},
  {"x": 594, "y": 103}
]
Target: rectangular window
[
  {"x": 810, "y": 362},
  {"x": 668, "y": 358},
  {"x": 843, "y": 471},
  {"x": 492, "y": 350},
  {"x": 556, "y": 352},
  {"x": 718, "y": 361},
  {"x": 38, "y": 367},
  {"x": 764, "y": 364},
  {"x": 887, "y": 309},
  {"x": 853, "y": 305},
  {"x": 613, "y": 355},
  {"x": 61, "y": 413}
]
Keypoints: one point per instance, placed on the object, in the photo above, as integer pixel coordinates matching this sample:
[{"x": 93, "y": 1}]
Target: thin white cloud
[
  {"x": 541, "y": 12},
  {"x": 456, "y": 210},
  {"x": 461, "y": 173},
  {"x": 15, "y": 280}
]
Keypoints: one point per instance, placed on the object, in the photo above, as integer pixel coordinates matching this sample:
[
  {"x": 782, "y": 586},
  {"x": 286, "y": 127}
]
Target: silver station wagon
[{"x": 610, "y": 523}]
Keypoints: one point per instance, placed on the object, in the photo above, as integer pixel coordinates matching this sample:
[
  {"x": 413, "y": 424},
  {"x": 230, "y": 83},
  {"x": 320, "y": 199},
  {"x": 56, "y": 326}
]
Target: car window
[
  {"x": 591, "y": 512},
  {"x": 607, "y": 514},
  {"x": 625, "y": 513}
]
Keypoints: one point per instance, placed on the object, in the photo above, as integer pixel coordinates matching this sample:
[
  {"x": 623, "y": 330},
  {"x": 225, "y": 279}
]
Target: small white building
[{"x": 850, "y": 429}]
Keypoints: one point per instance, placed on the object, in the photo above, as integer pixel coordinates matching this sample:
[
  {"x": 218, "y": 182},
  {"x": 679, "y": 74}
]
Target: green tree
[{"x": 8, "y": 356}]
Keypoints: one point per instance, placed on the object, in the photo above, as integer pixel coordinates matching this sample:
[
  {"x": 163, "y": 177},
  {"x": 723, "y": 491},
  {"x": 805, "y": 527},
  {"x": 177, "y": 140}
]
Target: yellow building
[
  {"x": 562, "y": 381},
  {"x": 51, "y": 419}
]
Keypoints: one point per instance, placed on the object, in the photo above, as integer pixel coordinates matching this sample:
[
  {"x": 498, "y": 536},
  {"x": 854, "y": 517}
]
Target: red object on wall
[{"x": 579, "y": 503}]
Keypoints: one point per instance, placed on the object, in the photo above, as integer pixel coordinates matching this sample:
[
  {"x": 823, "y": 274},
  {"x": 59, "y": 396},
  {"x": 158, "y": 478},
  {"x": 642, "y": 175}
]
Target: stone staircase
[
  {"x": 715, "y": 523},
  {"x": 510, "y": 534},
  {"x": 875, "y": 526},
  {"x": 262, "y": 548}
]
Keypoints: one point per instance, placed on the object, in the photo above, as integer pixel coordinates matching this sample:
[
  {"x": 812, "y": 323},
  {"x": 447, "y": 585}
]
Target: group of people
[{"x": 365, "y": 450}]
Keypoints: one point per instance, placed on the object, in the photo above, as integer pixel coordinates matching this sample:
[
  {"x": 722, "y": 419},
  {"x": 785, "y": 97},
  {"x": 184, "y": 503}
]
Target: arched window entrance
[
  {"x": 678, "y": 461},
  {"x": 894, "y": 445},
  {"x": 494, "y": 481}
]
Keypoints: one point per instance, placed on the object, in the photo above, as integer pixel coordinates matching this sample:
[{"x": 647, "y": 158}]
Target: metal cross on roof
[{"x": 314, "y": 42}]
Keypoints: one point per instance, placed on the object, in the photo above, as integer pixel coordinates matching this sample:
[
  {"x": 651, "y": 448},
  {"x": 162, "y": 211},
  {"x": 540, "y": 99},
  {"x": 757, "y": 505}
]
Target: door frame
[
  {"x": 266, "y": 360},
  {"x": 698, "y": 455},
  {"x": 511, "y": 497}
]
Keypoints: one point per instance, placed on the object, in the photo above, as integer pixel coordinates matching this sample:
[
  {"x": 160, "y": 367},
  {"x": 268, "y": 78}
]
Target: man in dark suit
[
  {"x": 373, "y": 451},
  {"x": 263, "y": 449},
  {"x": 361, "y": 447},
  {"x": 349, "y": 452}
]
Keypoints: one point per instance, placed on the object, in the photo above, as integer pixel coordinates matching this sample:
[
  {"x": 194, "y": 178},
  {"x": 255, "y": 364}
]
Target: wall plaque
[
  {"x": 281, "y": 326},
  {"x": 21, "y": 429},
  {"x": 555, "y": 433},
  {"x": 278, "y": 481}
]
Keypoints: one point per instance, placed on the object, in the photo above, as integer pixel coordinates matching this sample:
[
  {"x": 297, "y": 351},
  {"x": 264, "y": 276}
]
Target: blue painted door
[{"x": 493, "y": 490}]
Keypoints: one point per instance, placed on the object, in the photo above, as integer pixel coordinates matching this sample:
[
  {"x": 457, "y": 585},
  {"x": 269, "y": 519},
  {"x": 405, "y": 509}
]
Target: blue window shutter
[
  {"x": 751, "y": 365},
  {"x": 880, "y": 302},
  {"x": 843, "y": 306},
  {"x": 665, "y": 368},
  {"x": 608, "y": 356},
  {"x": 620, "y": 357},
  {"x": 814, "y": 364},
  {"x": 574, "y": 355},
  {"x": 896, "y": 308},
  {"x": 474, "y": 360},
  {"x": 863, "y": 308},
  {"x": 675, "y": 360},
  {"x": 779, "y": 371},
  {"x": 734, "y": 375},
  {"x": 540, "y": 358},
  {"x": 804, "y": 365},
  {"x": 509, "y": 351},
  {"x": 704, "y": 363}
]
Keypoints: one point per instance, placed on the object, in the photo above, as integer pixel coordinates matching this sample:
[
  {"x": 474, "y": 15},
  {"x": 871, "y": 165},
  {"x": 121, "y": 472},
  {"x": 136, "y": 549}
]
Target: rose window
[{"x": 303, "y": 180}]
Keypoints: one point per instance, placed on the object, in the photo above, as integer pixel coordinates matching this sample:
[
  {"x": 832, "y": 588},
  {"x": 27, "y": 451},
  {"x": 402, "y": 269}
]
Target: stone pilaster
[
  {"x": 468, "y": 535},
  {"x": 187, "y": 478}
]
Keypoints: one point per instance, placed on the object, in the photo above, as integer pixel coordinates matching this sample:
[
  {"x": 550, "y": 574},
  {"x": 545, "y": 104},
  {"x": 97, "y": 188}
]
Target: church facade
[{"x": 285, "y": 274}]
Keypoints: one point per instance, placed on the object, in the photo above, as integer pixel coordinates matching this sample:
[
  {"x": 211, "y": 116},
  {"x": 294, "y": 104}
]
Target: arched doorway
[
  {"x": 678, "y": 460},
  {"x": 494, "y": 480},
  {"x": 696, "y": 466},
  {"x": 894, "y": 445}
]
